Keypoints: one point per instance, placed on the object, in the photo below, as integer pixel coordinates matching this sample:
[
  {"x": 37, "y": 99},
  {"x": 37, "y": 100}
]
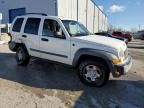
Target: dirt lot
[{"x": 45, "y": 85}]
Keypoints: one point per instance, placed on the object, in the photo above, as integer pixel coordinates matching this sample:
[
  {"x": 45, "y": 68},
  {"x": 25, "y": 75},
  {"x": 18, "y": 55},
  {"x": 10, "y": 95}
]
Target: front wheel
[
  {"x": 22, "y": 56},
  {"x": 93, "y": 73}
]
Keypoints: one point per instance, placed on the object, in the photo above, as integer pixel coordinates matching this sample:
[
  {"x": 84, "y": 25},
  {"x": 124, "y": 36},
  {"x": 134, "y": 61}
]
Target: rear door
[{"x": 30, "y": 35}]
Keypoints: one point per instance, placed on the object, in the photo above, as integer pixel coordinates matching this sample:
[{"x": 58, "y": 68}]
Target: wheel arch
[
  {"x": 94, "y": 54},
  {"x": 21, "y": 45}
]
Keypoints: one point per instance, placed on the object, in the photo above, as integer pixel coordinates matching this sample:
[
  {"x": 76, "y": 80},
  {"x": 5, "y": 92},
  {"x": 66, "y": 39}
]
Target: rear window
[
  {"x": 32, "y": 26},
  {"x": 18, "y": 24}
]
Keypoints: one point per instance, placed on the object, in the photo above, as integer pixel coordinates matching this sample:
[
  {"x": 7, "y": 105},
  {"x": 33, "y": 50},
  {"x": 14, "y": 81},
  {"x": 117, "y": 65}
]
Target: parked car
[
  {"x": 109, "y": 35},
  {"x": 124, "y": 35},
  {"x": 69, "y": 42},
  {"x": 139, "y": 35},
  {"x": 143, "y": 37}
]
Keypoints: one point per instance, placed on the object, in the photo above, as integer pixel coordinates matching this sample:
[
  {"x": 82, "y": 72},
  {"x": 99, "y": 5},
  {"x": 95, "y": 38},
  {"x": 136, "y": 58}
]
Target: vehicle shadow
[{"x": 44, "y": 75}]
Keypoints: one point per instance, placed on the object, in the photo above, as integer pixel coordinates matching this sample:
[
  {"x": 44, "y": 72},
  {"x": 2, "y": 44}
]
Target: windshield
[{"x": 75, "y": 28}]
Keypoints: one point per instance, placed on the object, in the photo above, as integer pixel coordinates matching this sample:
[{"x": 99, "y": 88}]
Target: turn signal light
[{"x": 116, "y": 61}]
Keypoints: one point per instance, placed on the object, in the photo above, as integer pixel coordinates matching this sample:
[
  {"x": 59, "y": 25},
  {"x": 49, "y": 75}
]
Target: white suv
[{"x": 69, "y": 42}]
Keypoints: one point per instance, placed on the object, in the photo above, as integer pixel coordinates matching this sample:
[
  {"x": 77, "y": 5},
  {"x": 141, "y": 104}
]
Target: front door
[{"x": 53, "y": 43}]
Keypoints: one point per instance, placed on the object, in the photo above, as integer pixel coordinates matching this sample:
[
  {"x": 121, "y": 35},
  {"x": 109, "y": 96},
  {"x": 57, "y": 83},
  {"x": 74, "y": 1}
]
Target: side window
[
  {"x": 47, "y": 28},
  {"x": 17, "y": 25},
  {"x": 32, "y": 26},
  {"x": 51, "y": 28}
]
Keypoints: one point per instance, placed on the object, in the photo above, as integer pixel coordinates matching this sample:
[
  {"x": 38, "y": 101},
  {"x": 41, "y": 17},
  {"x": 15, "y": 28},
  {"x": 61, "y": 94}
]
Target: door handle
[
  {"x": 24, "y": 36},
  {"x": 44, "y": 39}
]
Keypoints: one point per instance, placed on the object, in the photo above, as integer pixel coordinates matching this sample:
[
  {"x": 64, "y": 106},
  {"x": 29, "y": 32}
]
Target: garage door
[{"x": 15, "y": 12}]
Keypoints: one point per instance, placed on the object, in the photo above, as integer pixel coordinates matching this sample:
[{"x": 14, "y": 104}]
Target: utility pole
[
  {"x": 139, "y": 27},
  {"x": 0, "y": 24}
]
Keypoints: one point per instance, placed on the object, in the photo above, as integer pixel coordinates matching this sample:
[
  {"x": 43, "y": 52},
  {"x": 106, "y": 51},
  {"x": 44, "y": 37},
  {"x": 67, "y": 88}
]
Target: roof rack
[{"x": 43, "y": 14}]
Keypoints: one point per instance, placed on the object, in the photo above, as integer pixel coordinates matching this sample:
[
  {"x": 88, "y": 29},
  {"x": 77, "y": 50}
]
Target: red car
[{"x": 120, "y": 34}]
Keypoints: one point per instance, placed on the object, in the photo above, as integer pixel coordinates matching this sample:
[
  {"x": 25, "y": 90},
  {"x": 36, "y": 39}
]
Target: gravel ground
[{"x": 46, "y": 85}]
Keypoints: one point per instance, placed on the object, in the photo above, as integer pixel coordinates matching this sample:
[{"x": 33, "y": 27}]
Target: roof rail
[{"x": 43, "y": 14}]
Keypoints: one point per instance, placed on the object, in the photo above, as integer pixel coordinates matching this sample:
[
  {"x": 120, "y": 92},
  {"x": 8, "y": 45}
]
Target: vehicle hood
[{"x": 103, "y": 41}]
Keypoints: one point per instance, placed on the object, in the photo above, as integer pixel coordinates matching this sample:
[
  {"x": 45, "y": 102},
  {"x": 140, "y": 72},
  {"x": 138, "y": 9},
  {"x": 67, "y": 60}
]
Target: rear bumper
[{"x": 123, "y": 68}]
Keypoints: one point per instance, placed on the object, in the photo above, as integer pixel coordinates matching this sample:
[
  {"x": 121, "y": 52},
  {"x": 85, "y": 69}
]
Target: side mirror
[{"x": 60, "y": 35}]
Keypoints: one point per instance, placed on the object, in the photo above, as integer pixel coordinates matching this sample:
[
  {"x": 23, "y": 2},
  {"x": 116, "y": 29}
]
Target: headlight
[
  {"x": 121, "y": 54},
  {"x": 119, "y": 58},
  {"x": 116, "y": 60}
]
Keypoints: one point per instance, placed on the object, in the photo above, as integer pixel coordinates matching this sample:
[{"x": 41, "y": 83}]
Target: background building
[{"x": 85, "y": 11}]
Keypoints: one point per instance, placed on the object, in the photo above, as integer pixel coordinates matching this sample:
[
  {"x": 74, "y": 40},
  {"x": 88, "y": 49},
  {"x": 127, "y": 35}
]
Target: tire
[
  {"x": 97, "y": 75},
  {"x": 22, "y": 56}
]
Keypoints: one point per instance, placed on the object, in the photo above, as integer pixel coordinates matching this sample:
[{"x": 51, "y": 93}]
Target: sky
[{"x": 126, "y": 14}]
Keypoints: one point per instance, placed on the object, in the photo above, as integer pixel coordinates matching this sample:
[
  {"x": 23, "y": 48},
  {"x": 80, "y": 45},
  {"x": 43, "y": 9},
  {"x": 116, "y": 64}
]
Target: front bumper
[{"x": 123, "y": 68}]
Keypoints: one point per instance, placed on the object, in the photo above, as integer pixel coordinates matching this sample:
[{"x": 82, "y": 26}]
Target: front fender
[{"x": 105, "y": 55}]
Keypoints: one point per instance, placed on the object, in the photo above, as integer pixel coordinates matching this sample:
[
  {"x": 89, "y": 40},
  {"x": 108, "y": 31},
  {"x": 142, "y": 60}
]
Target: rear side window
[
  {"x": 18, "y": 24},
  {"x": 32, "y": 26}
]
